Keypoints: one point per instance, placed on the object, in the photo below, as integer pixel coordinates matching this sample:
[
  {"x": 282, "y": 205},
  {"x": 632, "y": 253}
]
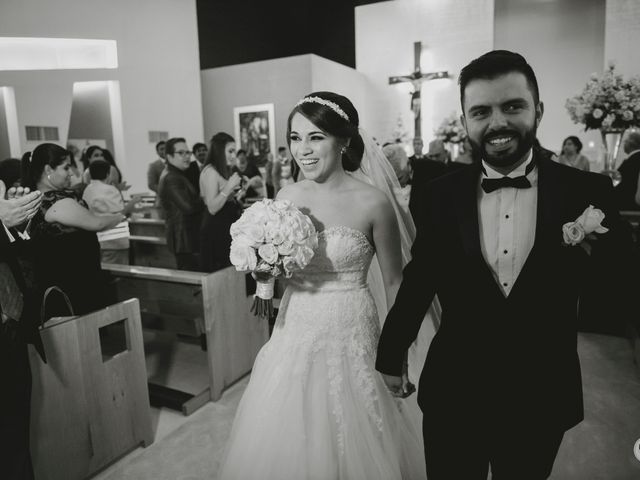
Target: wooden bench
[
  {"x": 147, "y": 227},
  {"x": 151, "y": 251},
  {"x": 90, "y": 403},
  {"x": 215, "y": 305}
]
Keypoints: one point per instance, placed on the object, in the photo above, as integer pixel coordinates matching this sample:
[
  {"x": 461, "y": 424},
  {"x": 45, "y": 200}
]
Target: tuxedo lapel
[
  {"x": 551, "y": 198},
  {"x": 468, "y": 222}
]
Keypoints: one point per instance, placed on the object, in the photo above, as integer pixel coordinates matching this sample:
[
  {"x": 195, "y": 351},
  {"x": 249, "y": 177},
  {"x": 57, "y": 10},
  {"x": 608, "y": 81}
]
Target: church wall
[
  {"x": 334, "y": 77},
  {"x": 622, "y": 36},
  {"x": 452, "y": 31},
  {"x": 158, "y": 70},
  {"x": 281, "y": 82},
  {"x": 563, "y": 40}
]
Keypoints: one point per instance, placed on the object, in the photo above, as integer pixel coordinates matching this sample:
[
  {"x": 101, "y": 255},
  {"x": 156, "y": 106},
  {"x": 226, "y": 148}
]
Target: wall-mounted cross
[{"x": 416, "y": 79}]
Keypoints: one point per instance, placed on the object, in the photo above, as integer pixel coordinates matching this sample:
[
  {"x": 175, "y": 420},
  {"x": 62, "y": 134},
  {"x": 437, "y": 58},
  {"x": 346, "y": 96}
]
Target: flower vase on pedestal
[{"x": 611, "y": 140}]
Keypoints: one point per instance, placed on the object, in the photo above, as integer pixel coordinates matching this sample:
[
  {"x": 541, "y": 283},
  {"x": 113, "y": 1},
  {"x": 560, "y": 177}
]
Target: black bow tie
[{"x": 491, "y": 184}]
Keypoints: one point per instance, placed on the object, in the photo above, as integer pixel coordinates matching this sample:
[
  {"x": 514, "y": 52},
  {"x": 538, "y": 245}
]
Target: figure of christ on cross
[{"x": 416, "y": 79}]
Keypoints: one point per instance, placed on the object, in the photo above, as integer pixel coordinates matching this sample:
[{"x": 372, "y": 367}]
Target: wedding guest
[
  {"x": 103, "y": 199},
  {"x": 91, "y": 154},
  {"x": 200, "y": 151},
  {"x": 284, "y": 170},
  {"x": 254, "y": 184},
  {"x": 628, "y": 190},
  {"x": 218, "y": 188},
  {"x": 156, "y": 167},
  {"x": 120, "y": 183},
  {"x": 266, "y": 172},
  {"x": 18, "y": 326},
  {"x": 397, "y": 157},
  {"x": 570, "y": 154},
  {"x": 10, "y": 172},
  {"x": 425, "y": 169},
  {"x": 182, "y": 205},
  {"x": 466, "y": 154},
  {"x": 63, "y": 231}
]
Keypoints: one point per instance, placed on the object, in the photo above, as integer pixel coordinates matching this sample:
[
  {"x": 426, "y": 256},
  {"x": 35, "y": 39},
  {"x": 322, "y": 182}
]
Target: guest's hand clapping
[{"x": 18, "y": 205}]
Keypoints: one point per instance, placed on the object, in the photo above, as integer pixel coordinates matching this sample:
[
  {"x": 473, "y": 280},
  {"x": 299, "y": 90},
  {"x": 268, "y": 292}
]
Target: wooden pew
[
  {"x": 193, "y": 303},
  {"x": 150, "y": 251},
  {"x": 147, "y": 227},
  {"x": 90, "y": 403}
]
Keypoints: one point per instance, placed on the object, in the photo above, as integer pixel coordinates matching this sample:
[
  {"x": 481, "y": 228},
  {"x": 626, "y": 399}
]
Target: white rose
[
  {"x": 269, "y": 253},
  {"x": 282, "y": 205},
  {"x": 597, "y": 113},
  {"x": 572, "y": 233},
  {"x": 591, "y": 220},
  {"x": 289, "y": 265},
  {"x": 628, "y": 115},
  {"x": 243, "y": 257},
  {"x": 255, "y": 232},
  {"x": 285, "y": 248},
  {"x": 303, "y": 256}
]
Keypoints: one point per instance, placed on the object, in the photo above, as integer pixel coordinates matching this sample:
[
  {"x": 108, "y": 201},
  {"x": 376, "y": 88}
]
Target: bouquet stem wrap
[{"x": 263, "y": 300}]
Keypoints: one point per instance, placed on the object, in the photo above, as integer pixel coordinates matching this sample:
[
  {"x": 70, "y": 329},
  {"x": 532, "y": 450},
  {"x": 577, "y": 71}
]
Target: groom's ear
[{"x": 539, "y": 113}]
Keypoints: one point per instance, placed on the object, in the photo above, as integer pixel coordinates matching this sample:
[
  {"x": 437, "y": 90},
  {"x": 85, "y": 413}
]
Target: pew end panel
[
  {"x": 90, "y": 403},
  {"x": 234, "y": 334}
]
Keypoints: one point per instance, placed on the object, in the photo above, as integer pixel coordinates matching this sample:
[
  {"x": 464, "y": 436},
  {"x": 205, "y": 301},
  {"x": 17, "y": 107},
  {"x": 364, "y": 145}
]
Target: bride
[{"x": 315, "y": 408}]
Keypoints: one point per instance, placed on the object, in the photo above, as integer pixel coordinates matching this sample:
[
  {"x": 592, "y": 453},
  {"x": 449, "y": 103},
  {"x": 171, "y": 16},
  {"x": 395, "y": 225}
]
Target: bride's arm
[{"x": 386, "y": 238}]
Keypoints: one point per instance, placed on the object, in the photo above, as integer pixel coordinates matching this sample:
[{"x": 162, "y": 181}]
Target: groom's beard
[{"x": 524, "y": 142}]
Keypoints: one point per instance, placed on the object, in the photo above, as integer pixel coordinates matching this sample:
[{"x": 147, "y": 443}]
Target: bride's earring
[{"x": 343, "y": 150}]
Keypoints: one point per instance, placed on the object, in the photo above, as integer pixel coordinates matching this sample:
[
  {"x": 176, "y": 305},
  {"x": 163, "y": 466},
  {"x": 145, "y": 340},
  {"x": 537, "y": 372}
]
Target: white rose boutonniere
[{"x": 574, "y": 233}]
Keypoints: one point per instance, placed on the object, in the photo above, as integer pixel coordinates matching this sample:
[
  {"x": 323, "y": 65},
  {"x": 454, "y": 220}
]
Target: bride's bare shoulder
[
  {"x": 368, "y": 194},
  {"x": 292, "y": 191}
]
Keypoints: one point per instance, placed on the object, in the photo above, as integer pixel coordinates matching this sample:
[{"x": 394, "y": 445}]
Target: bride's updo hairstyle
[{"x": 335, "y": 115}]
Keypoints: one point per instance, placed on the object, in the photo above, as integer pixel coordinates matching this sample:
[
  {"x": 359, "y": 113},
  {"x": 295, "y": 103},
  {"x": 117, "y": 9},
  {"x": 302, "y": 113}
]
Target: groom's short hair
[{"x": 494, "y": 64}]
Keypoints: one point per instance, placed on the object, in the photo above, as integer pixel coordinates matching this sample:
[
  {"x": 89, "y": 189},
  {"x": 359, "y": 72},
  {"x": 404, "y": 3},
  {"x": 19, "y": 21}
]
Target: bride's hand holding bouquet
[{"x": 272, "y": 238}]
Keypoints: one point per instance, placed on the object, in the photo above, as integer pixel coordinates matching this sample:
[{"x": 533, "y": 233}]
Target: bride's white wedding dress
[{"x": 315, "y": 407}]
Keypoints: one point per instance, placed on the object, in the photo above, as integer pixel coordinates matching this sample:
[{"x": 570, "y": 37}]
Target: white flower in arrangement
[
  {"x": 271, "y": 238},
  {"x": 451, "y": 130},
  {"x": 607, "y": 102}
]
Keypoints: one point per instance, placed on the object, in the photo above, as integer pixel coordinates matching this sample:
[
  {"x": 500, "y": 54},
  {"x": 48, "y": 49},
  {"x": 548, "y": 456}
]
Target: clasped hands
[
  {"x": 399, "y": 386},
  {"x": 18, "y": 205}
]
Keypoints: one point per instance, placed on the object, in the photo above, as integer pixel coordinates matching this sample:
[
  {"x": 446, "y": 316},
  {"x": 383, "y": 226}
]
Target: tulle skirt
[{"x": 315, "y": 408}]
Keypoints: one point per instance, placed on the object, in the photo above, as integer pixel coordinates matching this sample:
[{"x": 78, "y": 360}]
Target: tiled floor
[{"x": 601, "y": 447}]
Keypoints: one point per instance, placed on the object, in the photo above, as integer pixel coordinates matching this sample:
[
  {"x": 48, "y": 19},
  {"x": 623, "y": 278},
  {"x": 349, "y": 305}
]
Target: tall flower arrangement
[
  {"x": 608, "y": 102},
  {"x": 451, "y": 131}
]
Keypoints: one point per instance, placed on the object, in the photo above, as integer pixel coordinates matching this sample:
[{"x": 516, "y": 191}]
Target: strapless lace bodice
[{"x": 341, "y": 261}]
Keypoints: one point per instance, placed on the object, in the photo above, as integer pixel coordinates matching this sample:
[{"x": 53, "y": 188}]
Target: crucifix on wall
[{"x": 416, "y": 79}]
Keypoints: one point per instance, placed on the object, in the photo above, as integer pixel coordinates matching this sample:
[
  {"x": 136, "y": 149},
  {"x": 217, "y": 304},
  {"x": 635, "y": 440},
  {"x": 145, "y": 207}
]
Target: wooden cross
[{"x": 416, "y": 79}]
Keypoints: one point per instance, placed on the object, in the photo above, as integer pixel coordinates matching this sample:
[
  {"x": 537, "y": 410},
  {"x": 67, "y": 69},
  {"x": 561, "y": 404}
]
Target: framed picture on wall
[{"x": 255, "y": 130}]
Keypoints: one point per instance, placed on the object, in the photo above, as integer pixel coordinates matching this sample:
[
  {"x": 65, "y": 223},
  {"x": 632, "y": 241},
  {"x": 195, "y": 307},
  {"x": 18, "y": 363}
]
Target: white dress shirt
[{"x": 507, "y": 221}]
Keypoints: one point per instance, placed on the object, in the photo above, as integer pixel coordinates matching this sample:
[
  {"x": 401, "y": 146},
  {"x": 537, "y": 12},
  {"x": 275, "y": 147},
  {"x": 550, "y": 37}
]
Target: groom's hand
[{"x": 394, "y": 384}]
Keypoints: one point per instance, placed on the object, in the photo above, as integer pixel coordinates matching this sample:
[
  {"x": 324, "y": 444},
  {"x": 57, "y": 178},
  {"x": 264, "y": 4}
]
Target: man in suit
[
  {"x": 17, "y": 328},
  {"x": 425, "y": 169},
  {"x": 501, "y": 383},
  {"x": 627, "y": 190},
  {"x": 183, "y": 206}
]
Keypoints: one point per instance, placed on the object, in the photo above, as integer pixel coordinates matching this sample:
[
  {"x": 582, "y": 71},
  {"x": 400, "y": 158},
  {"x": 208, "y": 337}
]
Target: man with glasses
[{"x": 182, "y": 204}]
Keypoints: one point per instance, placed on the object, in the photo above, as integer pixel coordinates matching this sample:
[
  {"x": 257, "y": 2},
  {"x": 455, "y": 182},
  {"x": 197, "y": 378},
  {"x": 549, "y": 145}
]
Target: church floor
[{"x": 600, "y": 448}]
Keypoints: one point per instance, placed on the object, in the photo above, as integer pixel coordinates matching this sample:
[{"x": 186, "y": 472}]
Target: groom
[{"x": 501, "y": 383}]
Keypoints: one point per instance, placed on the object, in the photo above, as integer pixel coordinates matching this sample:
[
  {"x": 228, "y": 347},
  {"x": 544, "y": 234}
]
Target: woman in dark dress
[
  {"x": 66, "y": 252},
  {"x": 220, "y": 190}
]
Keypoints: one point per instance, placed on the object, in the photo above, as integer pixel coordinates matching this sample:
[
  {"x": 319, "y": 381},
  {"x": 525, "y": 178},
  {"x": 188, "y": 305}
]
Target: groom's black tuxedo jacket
[{"x": 506, "y": 359}]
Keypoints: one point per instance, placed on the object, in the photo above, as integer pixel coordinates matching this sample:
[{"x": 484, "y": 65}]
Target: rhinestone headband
[{"x": 327, "y": 103}]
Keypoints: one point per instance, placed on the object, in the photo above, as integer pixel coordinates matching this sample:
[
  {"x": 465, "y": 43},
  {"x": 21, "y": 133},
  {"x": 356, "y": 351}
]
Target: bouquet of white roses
[
  {"x": 272, "y": 238},
  {"x": 451, "y": 130},
  {"x": 608, "y": 102}
]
